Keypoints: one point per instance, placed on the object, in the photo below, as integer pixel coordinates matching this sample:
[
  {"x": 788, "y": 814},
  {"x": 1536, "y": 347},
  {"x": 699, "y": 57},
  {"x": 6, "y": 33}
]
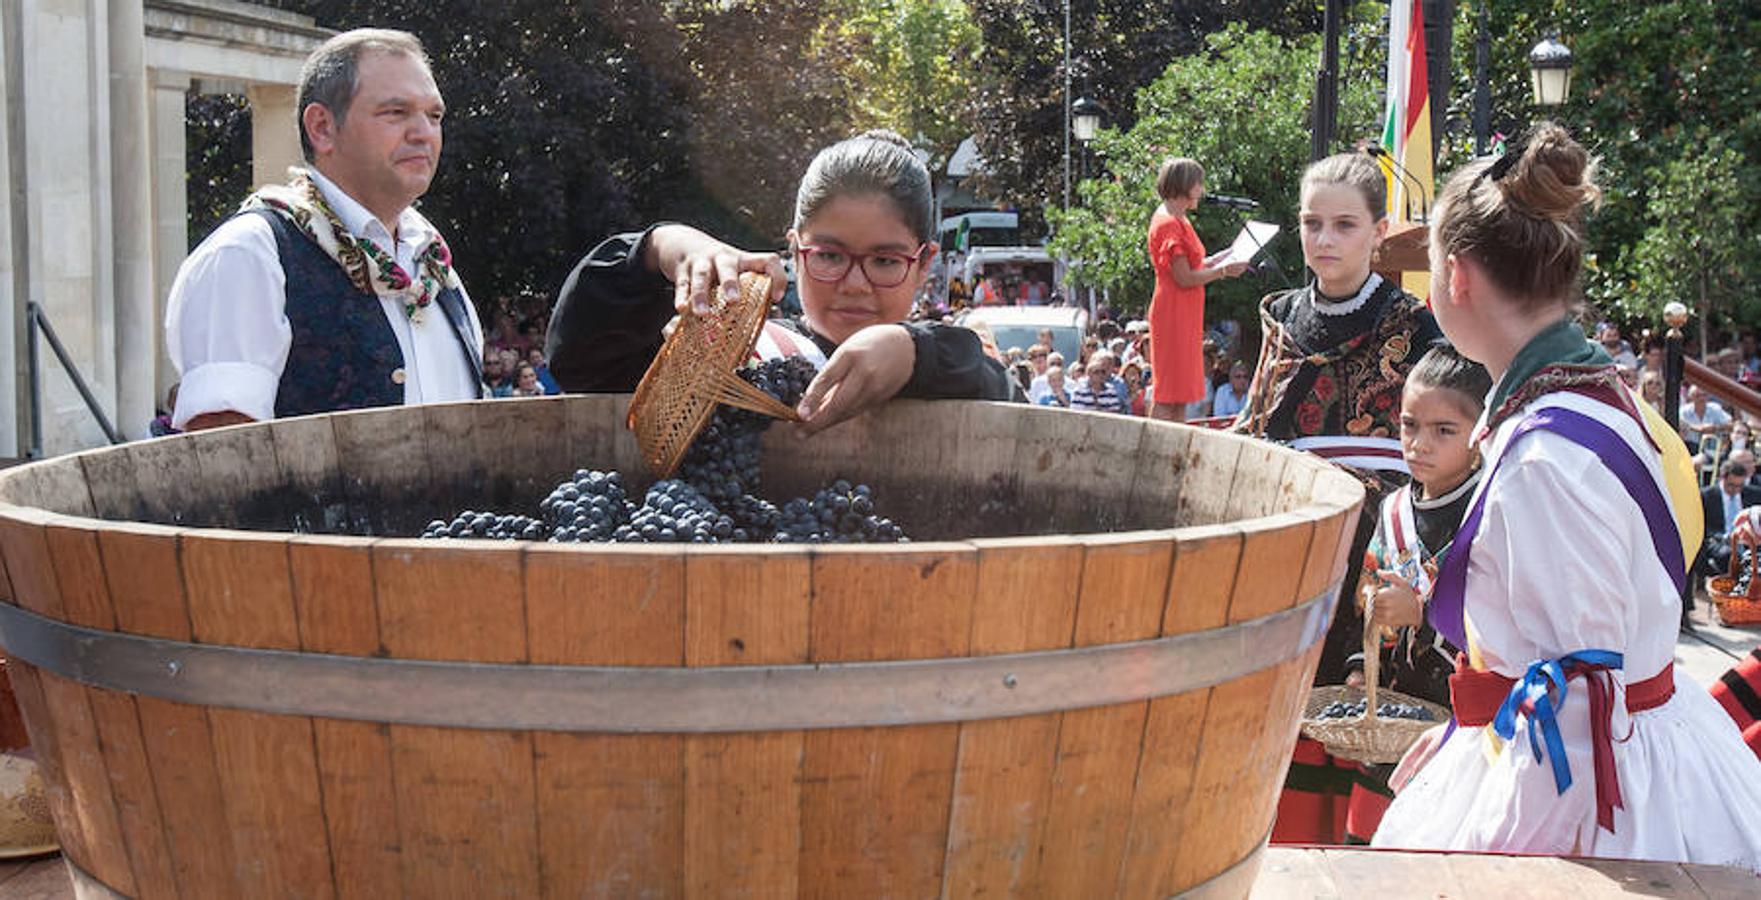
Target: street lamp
[
  {"x": 1085, "y": 119},
  {"x": 1550, "y": 72},
  {"x": 1675, "y": 315}
]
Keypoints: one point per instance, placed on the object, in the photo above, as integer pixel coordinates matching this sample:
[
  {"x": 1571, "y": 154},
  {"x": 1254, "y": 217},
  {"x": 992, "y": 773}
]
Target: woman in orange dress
[{"x": 1177, "y": 312}]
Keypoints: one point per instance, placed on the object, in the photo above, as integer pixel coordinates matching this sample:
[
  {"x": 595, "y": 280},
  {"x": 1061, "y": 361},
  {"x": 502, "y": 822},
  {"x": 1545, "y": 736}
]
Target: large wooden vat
[{"x": 1103, "y": 703}]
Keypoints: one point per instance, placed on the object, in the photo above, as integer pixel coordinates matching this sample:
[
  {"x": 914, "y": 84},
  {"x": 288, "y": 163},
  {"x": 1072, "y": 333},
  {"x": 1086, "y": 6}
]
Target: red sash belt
[{"x": 1478, "y": 694}]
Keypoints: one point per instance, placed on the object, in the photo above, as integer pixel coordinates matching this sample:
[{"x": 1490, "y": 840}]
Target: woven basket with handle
[
  {"x": 695, "y": 370},
  {"x": 1368, "y": 738},
  {"x": 1734, "y": 608}
]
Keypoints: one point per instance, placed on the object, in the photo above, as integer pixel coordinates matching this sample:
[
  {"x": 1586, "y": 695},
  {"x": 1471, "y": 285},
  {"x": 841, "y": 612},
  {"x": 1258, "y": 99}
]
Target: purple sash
[{"x": 1446, "y": 610}]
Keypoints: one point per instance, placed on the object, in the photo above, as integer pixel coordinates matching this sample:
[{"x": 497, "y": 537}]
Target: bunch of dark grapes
[
  {"x": 755, "y": 519},
  {"x": 785, "y": 379},
  {"x": 1404, "y": 711},
  {"x": 841, "y": 513},
  {"x": 486, "y": 526},
  {"x": 1741, "y": 588},
  {"x": 713, "y": 498},
  {"x": 1339, "y": 709},
  {"x": 722, "y": 463},
  {"x": 590, "y": 506},
  {"x": 674, "y": 512}
]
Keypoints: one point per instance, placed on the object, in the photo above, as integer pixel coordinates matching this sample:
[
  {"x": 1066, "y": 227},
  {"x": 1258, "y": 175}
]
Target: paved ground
[{"x": 1707, "y": 649}]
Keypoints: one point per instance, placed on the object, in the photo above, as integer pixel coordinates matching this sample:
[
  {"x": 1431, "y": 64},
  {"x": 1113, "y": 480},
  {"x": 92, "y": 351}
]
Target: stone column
[
  {"x": 137, "y": 329},
  {"x": 12, "y": 275},
  {"x": 65, "y": 113},
  {"x": 170, "y": 198},
  {"x": 275, "y": 136}
]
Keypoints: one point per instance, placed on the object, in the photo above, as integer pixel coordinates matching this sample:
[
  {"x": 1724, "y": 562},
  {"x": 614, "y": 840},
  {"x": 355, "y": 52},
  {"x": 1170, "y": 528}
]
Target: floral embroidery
[
  {"x": 370, "y": 269},
  {"x": 1309, "y": 417},
  {"x": 1364, "y": 386}
]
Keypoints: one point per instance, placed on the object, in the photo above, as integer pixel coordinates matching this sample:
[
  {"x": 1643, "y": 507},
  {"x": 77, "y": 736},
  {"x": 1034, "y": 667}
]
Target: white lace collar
[
  {"x": 1329, "y": 307},
  {"x": 1466, "y": 485}
]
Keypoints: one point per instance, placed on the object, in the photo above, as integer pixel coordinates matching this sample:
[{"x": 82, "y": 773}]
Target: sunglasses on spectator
[{"x": 883, "y": 270}]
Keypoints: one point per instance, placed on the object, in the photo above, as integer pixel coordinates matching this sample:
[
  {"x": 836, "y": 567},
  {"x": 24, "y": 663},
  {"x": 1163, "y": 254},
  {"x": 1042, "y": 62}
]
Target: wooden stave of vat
[{"x": 1045, "y": 804}]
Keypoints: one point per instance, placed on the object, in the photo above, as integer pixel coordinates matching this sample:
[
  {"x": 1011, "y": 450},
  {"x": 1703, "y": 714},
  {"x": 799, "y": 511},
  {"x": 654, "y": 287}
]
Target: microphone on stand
[
  {"x": 1379, "y": 153},
  {"x": 1231, "y": 202}
]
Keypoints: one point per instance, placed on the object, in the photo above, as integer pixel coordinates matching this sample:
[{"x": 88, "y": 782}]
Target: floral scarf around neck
[{"x": 369, "y": 268}]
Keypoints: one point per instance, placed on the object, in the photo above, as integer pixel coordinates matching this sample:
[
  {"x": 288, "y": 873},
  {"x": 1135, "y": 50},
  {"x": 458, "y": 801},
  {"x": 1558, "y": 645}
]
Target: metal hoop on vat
[{"x": 661, "y": 699}]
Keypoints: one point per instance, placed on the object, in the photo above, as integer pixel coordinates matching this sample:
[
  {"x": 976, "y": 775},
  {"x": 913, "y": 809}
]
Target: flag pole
[{"x": 1326, "y": 104}]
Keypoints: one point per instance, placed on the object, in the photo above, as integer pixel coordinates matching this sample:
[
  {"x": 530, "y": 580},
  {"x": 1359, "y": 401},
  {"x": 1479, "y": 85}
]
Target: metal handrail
[
  {"x": 38, "y": 321},
  {"x": 1721, "y": 386}
]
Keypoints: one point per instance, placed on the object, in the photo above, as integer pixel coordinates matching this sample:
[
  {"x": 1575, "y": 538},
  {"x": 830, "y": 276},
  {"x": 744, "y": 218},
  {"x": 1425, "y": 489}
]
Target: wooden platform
[{"x": 1296, "y": 872}]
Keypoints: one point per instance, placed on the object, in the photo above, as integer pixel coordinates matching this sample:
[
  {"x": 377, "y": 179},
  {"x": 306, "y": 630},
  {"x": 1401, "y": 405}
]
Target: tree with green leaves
[
  {"x": 907, "y": 66},
  {"x": 1241, "y": 109},
  {"x": 1665, "y": 94},
  {"x": 1695, "y": 246},
  {"x": 1116, "y": 48}
]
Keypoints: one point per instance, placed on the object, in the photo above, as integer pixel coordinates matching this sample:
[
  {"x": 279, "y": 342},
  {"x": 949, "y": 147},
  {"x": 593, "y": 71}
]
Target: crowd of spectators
[
  {"x": 1719, "y": 434},
  {"x": 1113, "y": 373},
  {"x": 513, "y": 351}
]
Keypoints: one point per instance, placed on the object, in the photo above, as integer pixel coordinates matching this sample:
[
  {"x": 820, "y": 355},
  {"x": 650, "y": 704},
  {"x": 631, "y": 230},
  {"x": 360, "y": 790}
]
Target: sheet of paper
[{"x": 1253, "y": 237}]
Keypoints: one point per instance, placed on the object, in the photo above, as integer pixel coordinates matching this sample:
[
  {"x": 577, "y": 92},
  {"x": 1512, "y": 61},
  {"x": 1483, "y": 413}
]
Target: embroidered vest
[
  {"x": 1352, "y": 389},
  {"x": 344, "y": 353}
]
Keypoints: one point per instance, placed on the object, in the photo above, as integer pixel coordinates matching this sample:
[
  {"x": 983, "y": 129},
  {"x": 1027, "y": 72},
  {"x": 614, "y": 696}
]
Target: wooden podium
[{"x": 1407, "y": 248}]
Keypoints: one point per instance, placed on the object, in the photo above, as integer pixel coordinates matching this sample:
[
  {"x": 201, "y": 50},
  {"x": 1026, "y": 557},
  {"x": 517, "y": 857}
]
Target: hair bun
[{"x": 1553, "y": 179}]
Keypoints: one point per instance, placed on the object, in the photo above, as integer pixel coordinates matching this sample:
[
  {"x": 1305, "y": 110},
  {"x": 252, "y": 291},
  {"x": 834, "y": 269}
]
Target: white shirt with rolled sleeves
[{"x": 226, "y": 325}]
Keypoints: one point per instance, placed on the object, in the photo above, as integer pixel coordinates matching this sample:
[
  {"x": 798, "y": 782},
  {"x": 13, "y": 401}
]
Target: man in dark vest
[{"x": 332, "y": 292}]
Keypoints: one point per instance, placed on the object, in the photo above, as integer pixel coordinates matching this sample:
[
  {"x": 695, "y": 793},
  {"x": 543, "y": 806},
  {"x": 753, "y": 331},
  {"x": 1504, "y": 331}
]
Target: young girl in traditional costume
[
  {"x": 1334, "y": 354},
  {"x": 1333, "y": 357},
  {"x": 862, "y": 243},
  {"x": 1439, "y": 408},
  {"x": 1444, "y": 397},
  {"x": 1572, "y": 733}
]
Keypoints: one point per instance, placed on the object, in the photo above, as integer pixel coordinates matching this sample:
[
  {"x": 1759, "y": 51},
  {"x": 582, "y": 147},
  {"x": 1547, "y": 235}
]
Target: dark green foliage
[
  {"x": 1668, "y": 94},
  {"x": 218, "y": 129},
  {"x": 564, "y": 124},
  {"x": 1117, "y": 48}
]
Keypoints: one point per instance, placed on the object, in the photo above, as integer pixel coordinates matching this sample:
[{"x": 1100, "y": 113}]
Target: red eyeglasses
[{"x": 883, "y": 270}]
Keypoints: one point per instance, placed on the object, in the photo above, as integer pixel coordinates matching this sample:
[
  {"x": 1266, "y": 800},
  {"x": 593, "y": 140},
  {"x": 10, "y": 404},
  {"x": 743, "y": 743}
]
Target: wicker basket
[
  {"x": 1733, "y": 608},
  {"x": 1368, "y": 738},
  {"x": 695, "y": 370}
]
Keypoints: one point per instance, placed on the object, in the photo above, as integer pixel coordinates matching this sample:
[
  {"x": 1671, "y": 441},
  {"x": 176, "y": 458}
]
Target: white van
[
  {"x": 1009, "y": 267},
  {"x": 1019, "y": 326},
  {"x": 983, "y": 229}
]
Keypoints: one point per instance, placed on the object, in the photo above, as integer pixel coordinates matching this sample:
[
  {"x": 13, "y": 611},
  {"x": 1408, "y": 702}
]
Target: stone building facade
[{"x": 92, "y": 164}]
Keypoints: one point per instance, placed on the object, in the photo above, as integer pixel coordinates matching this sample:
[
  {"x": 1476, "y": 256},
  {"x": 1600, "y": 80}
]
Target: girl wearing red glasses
[{"x": 862, "y": 247}]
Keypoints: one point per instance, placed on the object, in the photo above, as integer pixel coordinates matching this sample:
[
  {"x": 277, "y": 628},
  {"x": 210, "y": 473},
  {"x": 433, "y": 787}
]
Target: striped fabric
[
  {"x": 1739, "y": 692},
  {"x": 1375, "y": 454}
]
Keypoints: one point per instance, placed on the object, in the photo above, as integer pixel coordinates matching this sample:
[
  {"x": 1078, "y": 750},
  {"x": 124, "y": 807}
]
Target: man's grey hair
[{"x": 330, "y": 75}]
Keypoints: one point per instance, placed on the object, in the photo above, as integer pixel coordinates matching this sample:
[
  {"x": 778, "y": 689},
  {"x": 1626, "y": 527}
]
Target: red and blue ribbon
[{"x": 1540, "y": 694}]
